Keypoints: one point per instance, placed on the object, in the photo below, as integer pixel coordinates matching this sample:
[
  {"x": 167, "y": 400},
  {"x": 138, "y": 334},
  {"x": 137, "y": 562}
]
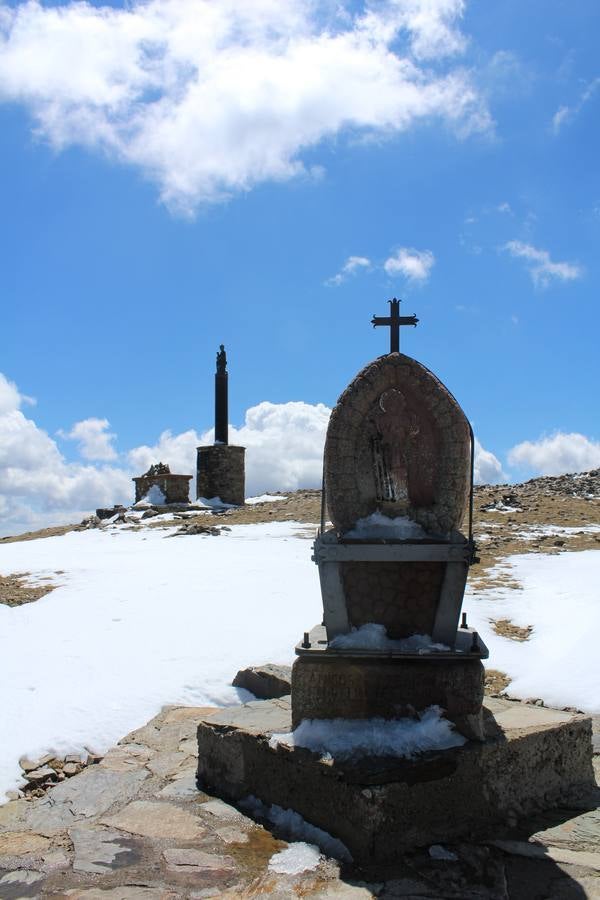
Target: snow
[
  {"x": 378, "y": 525},
  {"x": 138, "y": 622},
  {"x": 346, "y": 738},
  {"x": 373, "y": 636},
  {"x": 436, "y": 851},
  {"x": 298, "y": 857},
  {"x": 213, "y": 503},
  {"x": 560, "y": 598},
  {"x": 264, "y": 498},
  {"x": 291, "y": 824},
  {"x": 155, "y": 496},
  {"x": 537, "y": 531}
]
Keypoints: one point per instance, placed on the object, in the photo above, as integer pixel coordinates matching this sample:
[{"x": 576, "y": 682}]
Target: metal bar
[
  {"x": 325, "y": 553},
  {"x": 471, "y": 496},
  {"x": 323, "y": 498}
]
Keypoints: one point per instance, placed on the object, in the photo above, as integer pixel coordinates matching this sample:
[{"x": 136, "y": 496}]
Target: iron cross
[{"x": 394, "y": 320}]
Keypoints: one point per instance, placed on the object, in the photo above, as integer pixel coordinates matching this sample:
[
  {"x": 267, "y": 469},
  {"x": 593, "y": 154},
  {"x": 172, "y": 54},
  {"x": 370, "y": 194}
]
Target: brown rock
[
  {"x": 198, "y": 862},
  {"x": 157, "y": 820},
  {"x": 18, "y": 843}
]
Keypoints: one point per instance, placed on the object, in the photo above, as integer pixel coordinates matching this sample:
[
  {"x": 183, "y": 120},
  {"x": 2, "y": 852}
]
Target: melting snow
[
  {"x": 296, "y": 858},
  {"x": 373, "y": 636},
  {"x": 378, "y": 525},
  {"x": 291, "y": 824},
  {"x": 344, "y": 738}
]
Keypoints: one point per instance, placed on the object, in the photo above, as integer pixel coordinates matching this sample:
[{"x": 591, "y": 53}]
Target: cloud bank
[
  {"x": 211, "y": 97},
  {"x": 557, "y": 454}
]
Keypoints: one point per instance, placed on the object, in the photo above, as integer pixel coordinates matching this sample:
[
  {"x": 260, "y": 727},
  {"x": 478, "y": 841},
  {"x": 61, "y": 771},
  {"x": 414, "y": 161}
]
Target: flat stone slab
[{"x": 533, "y": 758}]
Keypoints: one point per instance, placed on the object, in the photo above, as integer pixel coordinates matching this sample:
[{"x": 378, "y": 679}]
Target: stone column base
[
  {"x": 533, "y": 759},
  {"x": 221, "y": 473},
  {"x": 351, "y": 688}
]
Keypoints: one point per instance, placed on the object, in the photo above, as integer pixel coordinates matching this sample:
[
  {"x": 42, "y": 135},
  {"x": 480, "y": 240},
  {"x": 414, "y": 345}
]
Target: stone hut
[{"x": 174, "y": 488}]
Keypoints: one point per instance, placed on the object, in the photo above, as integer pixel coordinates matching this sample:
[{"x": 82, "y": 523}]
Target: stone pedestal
[
  {"x": 221, "y": 473},
  {"x": 346, "y": 688},
  {"x": 175, "y": 488},
  {"x": 532, "y": 759}
]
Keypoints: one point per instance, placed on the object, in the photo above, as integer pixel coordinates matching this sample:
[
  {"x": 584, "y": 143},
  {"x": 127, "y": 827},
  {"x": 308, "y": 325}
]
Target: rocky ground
[{"x": 134, "y": 826}]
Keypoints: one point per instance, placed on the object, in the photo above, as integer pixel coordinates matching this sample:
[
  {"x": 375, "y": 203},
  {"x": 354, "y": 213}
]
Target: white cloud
[
  {"x": 557, "y": 454},
  {"x": 415, "y": 265},
  {"x": 352, "y": 265},
  {"x": 487, "y": 468},
  {"x": 211, "y": 97},
  {"x": 566, "y": 114},
  {"x": 38, "y": 486},
  {"x": 93, "y": 439},
  {"x": 541, "y": 267},
  {"x": 10, "y": 398},
  {"x": 178, "y": 451}
]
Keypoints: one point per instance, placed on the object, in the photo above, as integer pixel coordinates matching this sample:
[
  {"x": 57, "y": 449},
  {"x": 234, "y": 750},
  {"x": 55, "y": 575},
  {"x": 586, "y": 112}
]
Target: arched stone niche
[{"x": 398, "y": 442}]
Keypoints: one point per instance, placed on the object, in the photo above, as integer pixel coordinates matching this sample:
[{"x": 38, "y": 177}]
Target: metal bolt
[
  {"x": 475, "y": 643},
  {"x": 463, "y": 624},
  {"x": 306, "y": 642}
]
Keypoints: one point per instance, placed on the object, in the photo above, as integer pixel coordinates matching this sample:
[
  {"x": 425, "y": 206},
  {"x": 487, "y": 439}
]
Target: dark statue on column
[{"x": 221, "y": 410}]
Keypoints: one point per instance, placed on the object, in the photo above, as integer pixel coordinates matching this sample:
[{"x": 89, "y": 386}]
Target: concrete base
[
  {"x": 353, "y": 688},
  {"x": 533, "y": 758}
]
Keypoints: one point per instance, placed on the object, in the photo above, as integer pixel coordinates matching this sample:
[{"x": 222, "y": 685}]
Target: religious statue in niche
[{"x": 404, "y": 452}]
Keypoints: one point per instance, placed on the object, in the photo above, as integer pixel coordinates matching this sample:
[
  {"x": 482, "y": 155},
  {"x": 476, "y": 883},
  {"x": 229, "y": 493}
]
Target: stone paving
[{"x": 135, "y": 827}]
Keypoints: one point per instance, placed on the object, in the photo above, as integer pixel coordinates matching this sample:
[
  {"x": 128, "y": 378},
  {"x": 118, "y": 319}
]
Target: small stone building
[{"x": 174, "y": 488}]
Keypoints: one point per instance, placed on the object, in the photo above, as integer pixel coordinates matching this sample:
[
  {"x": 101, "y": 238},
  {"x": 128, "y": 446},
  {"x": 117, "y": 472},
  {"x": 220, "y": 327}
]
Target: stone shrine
[
  {"x": 398, "y": 479},
  {"x": 221, "y": 466},
  {"x": 174, "y": 488},
  {"x": 393, "y": 650}
]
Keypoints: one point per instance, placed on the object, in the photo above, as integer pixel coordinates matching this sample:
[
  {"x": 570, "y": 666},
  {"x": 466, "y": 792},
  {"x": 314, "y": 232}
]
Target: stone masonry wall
[
  {"x": 401, "y": 596},
  {"x": 367, "y": 688},
  {"x": 176, "y": 488},
  {"x": 221, "y": 473}
]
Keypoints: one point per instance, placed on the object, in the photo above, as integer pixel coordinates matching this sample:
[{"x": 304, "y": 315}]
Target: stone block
[
  {"x": 265, "y": 682},
  {"x": 221, "y": 473},
  {"x": 379, "y": 807},
  {"x": 350, "y": 688}
]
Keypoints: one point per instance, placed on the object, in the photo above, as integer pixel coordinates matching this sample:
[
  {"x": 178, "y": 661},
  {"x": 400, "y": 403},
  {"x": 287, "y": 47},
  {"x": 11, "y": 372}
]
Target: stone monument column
[{"x": 221, "y": 466}]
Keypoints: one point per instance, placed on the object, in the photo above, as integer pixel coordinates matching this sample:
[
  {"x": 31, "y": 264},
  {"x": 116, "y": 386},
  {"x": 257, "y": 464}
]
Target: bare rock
[
  {"x": 40, "y": 774},
  {"x": 266, "y": 682},
  {"x": 197, "y": 862},
  {"x": 157, "y": 820}
]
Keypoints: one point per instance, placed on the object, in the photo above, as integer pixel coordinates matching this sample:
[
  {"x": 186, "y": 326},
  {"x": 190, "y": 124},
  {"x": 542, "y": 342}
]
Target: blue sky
[{"x": 180, "y": 174}]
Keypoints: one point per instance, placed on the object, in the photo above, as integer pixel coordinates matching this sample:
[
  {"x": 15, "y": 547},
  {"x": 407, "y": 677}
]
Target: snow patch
[
  {"x": 214, "y": 503},
  {"x": 298, "y": 857},
  {"x": 559, "y": 598},
  {"x": 138, "y": 622},
  {"x": 378, "y": 525},
  {"x": 265, "y": 498},
  {"x": 343, "y": 739},
  {"x": 436, "y": 851},
  {"x": 154, "y": 497},
  {"x": 291, "y": 824},
  {"x": 373, "y": 636}
]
